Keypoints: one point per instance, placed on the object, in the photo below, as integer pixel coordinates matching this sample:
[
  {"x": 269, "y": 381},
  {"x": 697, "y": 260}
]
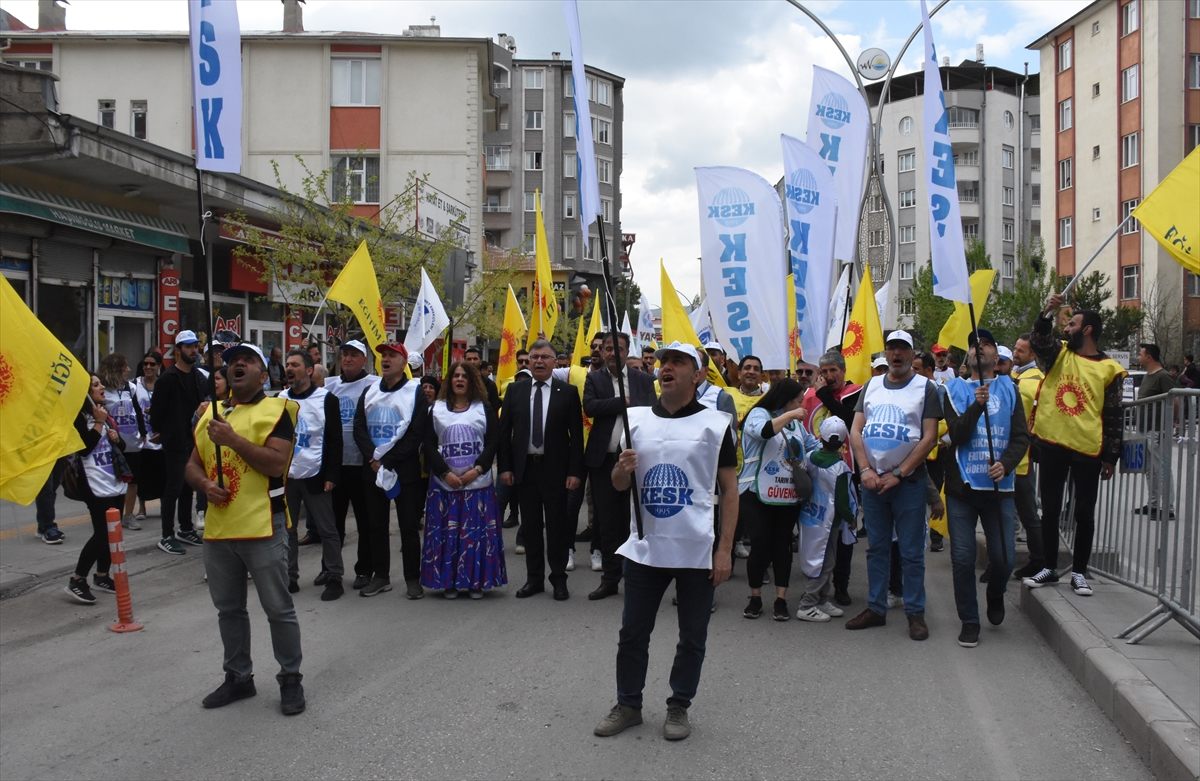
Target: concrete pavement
[{"x": 504, "y": 688}]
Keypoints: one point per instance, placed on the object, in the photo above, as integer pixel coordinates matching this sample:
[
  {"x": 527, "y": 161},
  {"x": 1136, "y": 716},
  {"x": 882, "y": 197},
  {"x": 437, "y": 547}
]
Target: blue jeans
[
  {"x": 226, "y": 562},
  {"x": 997, "y": 513},
  {"x": 644, "y": 589},
  {"x": 901, "y": 509}
]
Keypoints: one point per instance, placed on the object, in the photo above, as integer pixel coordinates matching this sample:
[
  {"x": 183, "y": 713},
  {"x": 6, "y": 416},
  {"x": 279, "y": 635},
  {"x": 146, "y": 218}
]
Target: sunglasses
[{"x": 805, "y": 372}]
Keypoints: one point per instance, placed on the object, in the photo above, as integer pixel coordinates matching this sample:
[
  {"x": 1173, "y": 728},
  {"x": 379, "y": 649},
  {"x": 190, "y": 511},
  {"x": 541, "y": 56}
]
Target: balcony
[
  {"x": 495, "y": 208},
  {"x": 499, "y": 165},
  {"x": 499, "y": 85}
]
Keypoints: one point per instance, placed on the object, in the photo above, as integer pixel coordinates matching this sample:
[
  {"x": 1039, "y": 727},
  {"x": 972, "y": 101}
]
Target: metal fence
[{"x": 1146, "y": 516}]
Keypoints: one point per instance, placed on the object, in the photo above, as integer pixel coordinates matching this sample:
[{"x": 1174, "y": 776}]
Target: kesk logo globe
[
  {"x": 802, "y": 190},
  {"x": 833, "y": 111},
  {"x": 346, "y": 408},
  {"x": 731, "y": 207},
  {"x": 665, "y": 491},
  {"x": 772, "y": 468},
  {"x": 302, "y": 436},
  {"x": 886, "y": 428},
  {"x": 382, "y": 424},
  {"x": 460, "y": 446}
]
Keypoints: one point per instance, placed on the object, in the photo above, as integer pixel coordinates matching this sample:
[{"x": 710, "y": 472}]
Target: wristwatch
[{"x": 899, "y": 475}]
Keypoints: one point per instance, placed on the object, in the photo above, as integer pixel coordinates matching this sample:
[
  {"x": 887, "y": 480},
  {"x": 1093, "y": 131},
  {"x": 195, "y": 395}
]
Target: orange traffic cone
[{"x": 116, "y": 547}]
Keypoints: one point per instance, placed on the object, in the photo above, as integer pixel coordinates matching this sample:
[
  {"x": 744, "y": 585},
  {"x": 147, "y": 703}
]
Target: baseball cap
[
  {"x": 356, "y": 344},
  {"x": 984, "y": 334},
  {"x": 899, "y": 336},
  {"x": 879, "y": 362},
  {"x": 1005, "y": 353},
  {"x": 679, "y": 347},
  {"x": 396, "y": 347},
  {"x": 834, "y": 426},
  {"x": 937, "y": 349},
  {"x": 186, "y": 337},
  {"x": 713, "y": 345},
  {"x": 230, "y": 352}
]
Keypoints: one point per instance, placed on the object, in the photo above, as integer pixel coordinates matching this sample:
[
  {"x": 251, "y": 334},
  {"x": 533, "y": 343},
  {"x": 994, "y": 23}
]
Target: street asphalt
[{"x": 507, "y": 688}]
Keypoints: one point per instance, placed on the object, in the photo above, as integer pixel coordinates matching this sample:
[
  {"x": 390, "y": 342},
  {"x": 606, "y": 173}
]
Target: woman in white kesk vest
[
  {"x": 125, "y": 415},
  {"x": 464, "y": 543},
  {"x": 773, "y": 484},
  {"x": 152, "y": 476}
]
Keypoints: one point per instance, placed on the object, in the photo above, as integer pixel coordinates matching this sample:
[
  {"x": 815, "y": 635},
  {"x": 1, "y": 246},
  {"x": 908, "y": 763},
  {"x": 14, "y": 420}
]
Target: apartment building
[{"x": 1123, "y": 105}]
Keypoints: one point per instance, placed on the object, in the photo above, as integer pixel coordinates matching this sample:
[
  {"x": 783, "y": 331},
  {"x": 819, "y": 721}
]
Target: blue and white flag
[
  {"x": 949, "y": 258},
  {"x": 838, "y": 126},
  {"x": 216, "y": 84},
  {"x": 702, "y": 323},
  {"x": 585, "y": 152},
  {"x": 428, "y": 320},
  {"x": 645, "y": 329},
  {"x": 812, "y": 206},
  {"x": 743, "y": 263}
]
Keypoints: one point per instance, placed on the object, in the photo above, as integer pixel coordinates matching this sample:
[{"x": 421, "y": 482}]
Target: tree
[
  {"x": 1121, "y": 323},
  {"x": 1013, "y": 311},
  {"x": 1162, "y": 322},
  {"x": 933, "y": 311}
]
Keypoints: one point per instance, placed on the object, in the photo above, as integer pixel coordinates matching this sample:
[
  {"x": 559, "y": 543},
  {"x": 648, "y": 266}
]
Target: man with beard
[
  {"x": 745, "y": 396},
  {"x": 177, "y": 396},
  {"x": 716, "y": 354},
  {"x": 315, "y": 469},
  {"x": 576, "y": 377},
  {"x": 1078, "y": 421},
  {"x": 473, "y": 356}
]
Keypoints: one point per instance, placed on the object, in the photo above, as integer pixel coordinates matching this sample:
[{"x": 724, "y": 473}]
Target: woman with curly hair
[{"x": 464, "y": 545}]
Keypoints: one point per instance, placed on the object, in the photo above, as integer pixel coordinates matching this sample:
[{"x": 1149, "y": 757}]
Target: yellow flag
[
  {"x": 677, "y": 326},
  {"x": 357, "y": 287},
  {"x": 1171, "y": 213},
  {"x": 794, "y": 351},
  {"x": 545, "y": 303},
  {"x": 42, "y": 386},
  {"x": 958, "y": 327},
  {"x": 864, "y": 333},
  {"x": 583, "y": 340},
  {"x": 510, "y": 337}
]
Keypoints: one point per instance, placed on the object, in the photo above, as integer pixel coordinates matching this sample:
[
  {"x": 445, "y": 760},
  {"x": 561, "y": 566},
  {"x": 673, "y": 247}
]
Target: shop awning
[{"x": 139, "y": 229}]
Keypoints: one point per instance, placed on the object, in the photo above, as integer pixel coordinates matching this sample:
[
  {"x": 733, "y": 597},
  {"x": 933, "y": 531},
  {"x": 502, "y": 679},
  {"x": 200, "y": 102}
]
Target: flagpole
[
  {"x": 205, "y": 216},
  {"x": 611, "y": 306},
  {"x": 1095, "y": 255},
  {"x": 846, "y": 309},
  {"x": 987, "y": 424}
]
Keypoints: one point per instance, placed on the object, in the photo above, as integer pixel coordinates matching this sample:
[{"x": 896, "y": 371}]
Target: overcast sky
[{"x": 708, "y": 82}]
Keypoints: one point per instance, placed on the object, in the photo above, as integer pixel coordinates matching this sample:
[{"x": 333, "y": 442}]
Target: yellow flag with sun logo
[
  {"x": 510, "y": 337},
  {"x": 864, "y": 332}
]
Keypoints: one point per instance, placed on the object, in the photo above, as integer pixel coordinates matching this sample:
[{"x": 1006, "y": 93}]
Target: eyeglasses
[
  {"x": 805, "y": 372},
  {"x": 542, "y": 358}
]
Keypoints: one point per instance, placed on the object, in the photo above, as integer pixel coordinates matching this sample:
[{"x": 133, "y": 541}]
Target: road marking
[{"x": 30, "y": 529}]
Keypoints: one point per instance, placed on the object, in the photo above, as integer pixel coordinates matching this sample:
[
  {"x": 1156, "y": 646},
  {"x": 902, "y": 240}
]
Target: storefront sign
[
  {"x": 168, "y": 312},
  {"x": 393, "y": 317},
  {"x": 232, "y": 324},
  {"x": 436, "y": 211},
  {"x": 13, "y": 264},
  {"x": 293, "y": 330},
  {"x": 121, "y": 293}
]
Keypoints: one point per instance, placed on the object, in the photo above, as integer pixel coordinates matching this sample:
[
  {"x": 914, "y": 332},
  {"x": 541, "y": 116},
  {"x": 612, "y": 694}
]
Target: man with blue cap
[{"x": 177, "y": 396}]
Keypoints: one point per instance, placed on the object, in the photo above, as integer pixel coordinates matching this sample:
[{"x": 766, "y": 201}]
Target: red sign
[
  {"x": 393, "y": 318},
  {"x": 232, "y": 324},
  {"x": 168, "y": 312},
  {"x": 293, "y": 331}
]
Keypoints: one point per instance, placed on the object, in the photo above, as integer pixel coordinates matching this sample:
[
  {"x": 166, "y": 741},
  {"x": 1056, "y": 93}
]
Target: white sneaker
[
  {"x": 814, "y": 614},
  {"x": 740, "y": 551},
  {"x": 519, "y": 550},
  {"x": 199, "y": 524},
  {"x": 1080, "y": 585},
  {"x": 597, "y": 561},
  {"x": 131, "y": 523},
  {"x": 895, "y": 601},
  {"x": 570, "y": 561},
  {"x": 832, "y": 609}
]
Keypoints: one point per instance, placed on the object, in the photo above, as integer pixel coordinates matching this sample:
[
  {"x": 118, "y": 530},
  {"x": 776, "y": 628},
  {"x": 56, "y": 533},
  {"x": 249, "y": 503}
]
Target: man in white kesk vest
[
  {"x": 680, "y": 449},
  {"x": 315, "y": 470},
  {"x": 349, "y": 387}
]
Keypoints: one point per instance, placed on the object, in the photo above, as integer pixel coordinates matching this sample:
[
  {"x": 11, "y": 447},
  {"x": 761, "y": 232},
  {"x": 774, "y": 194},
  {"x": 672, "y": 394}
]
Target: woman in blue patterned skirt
[{"x": 464, "y": 546}]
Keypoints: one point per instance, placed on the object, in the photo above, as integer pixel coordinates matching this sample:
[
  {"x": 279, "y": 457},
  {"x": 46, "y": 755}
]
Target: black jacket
[
  {"x": 602, "y": 405},
  {"x": 176, "y": 396},
  {"x": 403, "y": 458},
  {"x": 563, "y": 432}
]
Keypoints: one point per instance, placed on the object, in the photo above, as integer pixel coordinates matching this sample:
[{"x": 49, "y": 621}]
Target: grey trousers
[
  {"x": 817, "y": 590},
  {"x": 1025, "y": 497},
  {"x": 226, "y": 562},
  {"x": 320, "y": 512}
]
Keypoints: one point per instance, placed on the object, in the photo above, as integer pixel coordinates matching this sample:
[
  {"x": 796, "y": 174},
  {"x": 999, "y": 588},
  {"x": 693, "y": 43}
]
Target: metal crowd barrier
[{"x": 1146, "y": 516}]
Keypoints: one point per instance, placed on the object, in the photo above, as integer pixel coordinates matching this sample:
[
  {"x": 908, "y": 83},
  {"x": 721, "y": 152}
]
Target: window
[
  {"x": 108, "y": 114},
  {"x": 606, "y": 211},
  {"x": 603, "y": 170},
  {"x": 1064, "y": 56},
  {"x": 1129, "y": 150},
  {"x": 601, "y": 131},
  {"x": 875, "y": 204},
  {"x": 569, "y": 246},
  {"x": 1035, "y": 195},
  {"x": 598, "y": 91},
  {"x": 1129, "y": 83},
  {"x": 354, "y": 82},
  {"x": 906, "y": 126},
  {"x": 968, "y": 192},
  {"x": 963, "y": 117},
  {"x": 1010, "y": 231},
  {"x": 568, "y": 206},
  {"x": 970, "y": 230},
  {"x": 1035, "y": 159},
  {"x": 1096, "y": 90},
  {"x": 1035, "y": 123},
  {"x": 568, "y": 86},
  {"x": 908, "y": 234},
  {"x": 1191, "y": 283},
  {"x": 568, "y": 124},
  {"x": 1096, "y": 152},
  {"x": 1193, "y": 137},
  {"x": 1008, "y": 196},
  {"x": 1096, "y": 215},
  {"x": 533, "y": 78},
  {"x": 533, "y": 161},
  {"x": 967, "y": 158},
  {"x": 1066, "y": 233},
  {"x": 1008, "y": 267},
  {"x": 1129, "y": 18},
  {"x": 529, "y": 244},
  {"x": 1064, "y": 115},
  {"x": 1064, "y": 174},
  {"x": 531, "y": 202},
  {"x": 569, "y": 165},
  {"x": 1129, "y": 225},
  {"x": 907, "y": 305},
  {"x": 1194, "y": 71},
  {"x": 1006, "y": 157},
  {"x": 876, "y": 238},
  {"x": 497, "y": 157},
  {"x": 908, "y": 269},
  {"x": 907, "y": 162},
  {"x": 1008, "y": 120},
  {"x": 37, "y": 65},
  {"x": 533, "y": 120},
  {"x": 1095, "y": 28},
  {"x": 356, "y": 179},
  {"x": 1129, "y": 283},
  {"x": 589, "y": 248},
  {"x": 500, "y": 77},
  {"x": 493, "y": 203},
  {"x": 1194, "y": 9},
  {"x": 908, "y": 199},
  {"x": 137, "y": 118}
]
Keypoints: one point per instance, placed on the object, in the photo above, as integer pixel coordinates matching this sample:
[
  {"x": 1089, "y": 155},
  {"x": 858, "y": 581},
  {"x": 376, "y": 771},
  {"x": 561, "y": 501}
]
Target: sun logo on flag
[
  {"x": 232, "y": 475},
  {"x": 854, "y": 339},
  {"x": 508, "y": 347},
  {"x": 8, "y": 379},
  {"x": 794, "y": 342},
  {"x": 1070, "y": 398}
]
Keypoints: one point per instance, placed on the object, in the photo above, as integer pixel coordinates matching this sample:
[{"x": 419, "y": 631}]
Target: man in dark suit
[
  {"x": 602, "y": 403},
  {"x": 541, "y": 450}
]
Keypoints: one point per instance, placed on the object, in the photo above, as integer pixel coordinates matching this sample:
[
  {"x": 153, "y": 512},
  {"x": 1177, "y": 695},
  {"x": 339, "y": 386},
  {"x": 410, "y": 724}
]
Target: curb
[
  {"x": 31, "y": 581},
  {"x": 1162, "y": 734}
]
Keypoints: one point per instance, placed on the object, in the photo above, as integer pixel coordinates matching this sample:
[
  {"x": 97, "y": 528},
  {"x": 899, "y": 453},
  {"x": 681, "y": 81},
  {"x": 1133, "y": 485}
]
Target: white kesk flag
[
  {"x": 585, "y": 153},
  {"x": 838, "y": 126},
  {"x": 645, "y": 331},
  {"x": 881, "y": 298},
  {"x": 702, "y": 323},
  {"x": 429, "y": 318},
  {"x": 743, "y": 263},
  {"x": 838, "y": 312},
  {"x": 949, "y": 258},
  {"x": 812, "y": 207},
  {"x": 216, "y": 85}
]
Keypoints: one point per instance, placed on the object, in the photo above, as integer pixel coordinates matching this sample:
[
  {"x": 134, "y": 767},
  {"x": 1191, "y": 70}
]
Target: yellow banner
[
  {"x": 358, "y": 288},
  {"x": 677, "y": 326},
  {"x": 510, "y": 338},
  {"x": 864, "y": 333},
  {"x": 1171, "y": 212},
  {"x": 958, "y": 327},
  {"x": 583, "y": 339},
  {"x": 545, "y": 303}
]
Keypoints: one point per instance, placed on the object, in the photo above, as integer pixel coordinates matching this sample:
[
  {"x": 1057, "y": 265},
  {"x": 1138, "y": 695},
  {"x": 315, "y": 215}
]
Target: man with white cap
[
  {"x": 716, "y": 354},
  {"x": 879, "y": 366},
  {"x": 349, "y": 387},
  {"x": 1004, "y": 361},
  {"x": 679, "y": 451},
  {"x": 895, "y": 427}
]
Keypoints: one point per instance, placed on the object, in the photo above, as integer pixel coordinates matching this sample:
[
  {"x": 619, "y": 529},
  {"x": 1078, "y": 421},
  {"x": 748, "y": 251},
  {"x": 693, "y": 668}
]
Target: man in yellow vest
[
  {"x": 1028, "y": 378},
  {"x": 1077, "y": 420},
  {"x": 246, "y": 528}
]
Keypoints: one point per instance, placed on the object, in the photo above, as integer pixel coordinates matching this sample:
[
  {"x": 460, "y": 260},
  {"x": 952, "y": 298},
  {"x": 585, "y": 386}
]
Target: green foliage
[
  {"x": 932, "y": 311},
  {"x": 1121, "y": 323},
  {"x": 1011, "y": 313}
]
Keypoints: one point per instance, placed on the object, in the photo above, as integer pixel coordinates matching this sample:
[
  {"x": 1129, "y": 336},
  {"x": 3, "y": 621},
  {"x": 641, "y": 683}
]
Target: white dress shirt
[{"x": 533, "y": 391}]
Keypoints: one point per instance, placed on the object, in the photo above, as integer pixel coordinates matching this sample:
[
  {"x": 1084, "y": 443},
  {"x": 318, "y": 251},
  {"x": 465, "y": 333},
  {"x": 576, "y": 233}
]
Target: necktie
[{"x": 538, "y": 437}]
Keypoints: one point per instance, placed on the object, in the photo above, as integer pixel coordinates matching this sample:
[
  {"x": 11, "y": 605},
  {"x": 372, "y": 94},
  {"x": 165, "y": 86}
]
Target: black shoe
[
  {"x": 1143, "y": 510},
  {"x": 1028, "y": 571},
  {"x": 585, "y": 535},
  {"x": 360, "y": 581},
  {"x": 321, "y": 579},
  {"x": 603, "y": 590},
  {"x": 969, "y": 636},
  {"x": 308, "y": 539},
  {"x": 293, "y": 586},
  {"x": 995, "y": 610},
  {"x": 511, "y": 522},
  {"x": 529, "y": 589},
  {"x": 987, "y": 573},
  {"x": 560, "y": 592},
  {"x": 291, "y": 694},
  {"x": 936, "y": 546},
  {"x": 753, "y": 608},
  {"x": 842, "y": 597},
  {"x": 333, "y": 590},
  {"x": 230, "y": 691},
  {"x": 781, "y": 609},
  {"x": 104, "y": 584},
  {"x": 78, "y": 589}
]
